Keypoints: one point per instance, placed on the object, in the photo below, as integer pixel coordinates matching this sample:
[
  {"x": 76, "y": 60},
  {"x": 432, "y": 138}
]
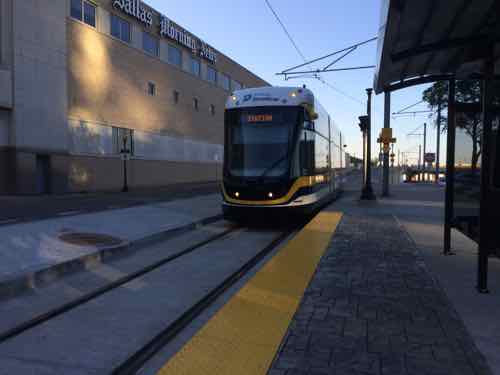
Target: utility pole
[
  {"x": 367, "y": 192},
  {"x": 425, "y": 150},
  {"x": 364, "y": 152},
  {"x": 438, "y": 140},
  {"x": 420, "y": 158},
  {"x": 391, "y": 170},
  {"x": 379, "y": 154},
  {"x": 387, "y": 125}
]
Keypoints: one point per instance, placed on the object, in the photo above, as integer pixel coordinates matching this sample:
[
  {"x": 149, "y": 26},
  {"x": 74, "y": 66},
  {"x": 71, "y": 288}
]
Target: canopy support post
[
  {"x": 484, "y": 223},
  {"x": 450, "y": 169}
]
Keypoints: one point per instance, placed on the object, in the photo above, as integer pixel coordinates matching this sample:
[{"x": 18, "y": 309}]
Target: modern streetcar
[{"x": 282, "y": 153}]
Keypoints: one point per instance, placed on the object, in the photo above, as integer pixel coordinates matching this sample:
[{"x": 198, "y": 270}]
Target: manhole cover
[{"x": 90, "y": 239}]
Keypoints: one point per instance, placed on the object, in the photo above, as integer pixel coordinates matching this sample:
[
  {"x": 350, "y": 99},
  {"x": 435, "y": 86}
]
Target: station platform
[
  {"x": 356, "y": 292},
  {"x": 38, "y": 251},
  {"x": 362, "y": 288}
]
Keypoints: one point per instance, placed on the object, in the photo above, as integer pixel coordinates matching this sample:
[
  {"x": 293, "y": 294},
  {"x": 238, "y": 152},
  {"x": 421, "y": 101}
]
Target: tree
[{"x": 468, "y": 91}]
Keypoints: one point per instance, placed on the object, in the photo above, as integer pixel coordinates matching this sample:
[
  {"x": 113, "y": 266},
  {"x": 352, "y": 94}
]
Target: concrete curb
[{"x": 33, "y": 279}]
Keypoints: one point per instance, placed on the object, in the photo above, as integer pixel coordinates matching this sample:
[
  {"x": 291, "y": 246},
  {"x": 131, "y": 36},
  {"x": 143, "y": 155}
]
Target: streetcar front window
[{"x": 259, "y": 141}]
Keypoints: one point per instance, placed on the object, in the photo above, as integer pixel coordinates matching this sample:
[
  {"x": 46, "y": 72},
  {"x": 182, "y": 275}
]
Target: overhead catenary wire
[
  {"x": 314, "y": 75},
  {"x": 414, "y": 132},
  {"x": 285, "y": 30},
  {"x": 354, "y": 46},
  {"x": 341, "y": 92},
  {"x": 405, "y": 108}
]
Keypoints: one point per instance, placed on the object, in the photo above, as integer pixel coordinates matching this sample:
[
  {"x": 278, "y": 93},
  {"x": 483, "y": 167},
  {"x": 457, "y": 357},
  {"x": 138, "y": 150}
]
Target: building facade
[{"x": 83, "y": 81}]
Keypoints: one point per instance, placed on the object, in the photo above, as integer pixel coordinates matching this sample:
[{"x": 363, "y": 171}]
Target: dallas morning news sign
[{"x": 136, "y": 9}]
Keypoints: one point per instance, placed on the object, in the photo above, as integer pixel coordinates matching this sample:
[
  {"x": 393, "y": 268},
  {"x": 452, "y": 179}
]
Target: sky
[{"x": 248, "y": 32}]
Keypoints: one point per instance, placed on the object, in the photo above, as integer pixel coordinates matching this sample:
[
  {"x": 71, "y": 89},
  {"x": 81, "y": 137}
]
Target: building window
[
  {"x": 237, "y": 86},
  {"x": 123, "y": 140},
  {"x": 195, "y": 67},
  {"x": 212, "y": 109},
  {"x": 176, "y": 97},
  {"x": 120, "y": 28},
  {"x": 211, "y": 75},
  {"x": 150, "y": 44},
  {"x": 225, "y": 81},
  {"x": 151, "y": 89},
  {"x": 195, "y": 104},
  {"x": 83, "y": 11},
  {"x": 174, "y": 56}
]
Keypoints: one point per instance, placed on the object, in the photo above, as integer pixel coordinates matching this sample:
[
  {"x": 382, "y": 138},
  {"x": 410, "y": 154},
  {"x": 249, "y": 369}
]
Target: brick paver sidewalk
[{"x": 374, "y": 308}]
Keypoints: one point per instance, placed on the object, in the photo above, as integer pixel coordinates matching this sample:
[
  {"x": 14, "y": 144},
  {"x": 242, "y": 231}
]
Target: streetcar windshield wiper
[{"x": 274, "y": 165}]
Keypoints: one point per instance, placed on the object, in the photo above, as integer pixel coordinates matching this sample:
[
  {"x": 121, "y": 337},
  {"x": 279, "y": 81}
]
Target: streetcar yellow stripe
[
  {"x": 301, "y": 182},
  {"x": 244, "y": 336}
]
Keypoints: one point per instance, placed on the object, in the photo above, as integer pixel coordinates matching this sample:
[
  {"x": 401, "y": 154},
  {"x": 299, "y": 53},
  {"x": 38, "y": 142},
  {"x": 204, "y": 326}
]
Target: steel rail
[
  {"x": 134, "y": 363},
  {"x": 55, "y": 312}
]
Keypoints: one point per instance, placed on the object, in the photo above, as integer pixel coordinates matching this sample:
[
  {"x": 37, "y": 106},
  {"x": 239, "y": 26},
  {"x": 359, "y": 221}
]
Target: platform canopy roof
[{"x": 425, "y": 40}]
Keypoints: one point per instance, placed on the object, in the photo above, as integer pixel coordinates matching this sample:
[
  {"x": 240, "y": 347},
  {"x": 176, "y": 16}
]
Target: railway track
[
  {"x": 140, "y": 356},
  {"x": 134, "y": 363},
  {"x": 54, "y": 313}
]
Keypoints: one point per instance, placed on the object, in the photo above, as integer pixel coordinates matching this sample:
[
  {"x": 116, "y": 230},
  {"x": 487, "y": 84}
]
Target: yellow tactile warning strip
[{"x": 244, "y": 336}]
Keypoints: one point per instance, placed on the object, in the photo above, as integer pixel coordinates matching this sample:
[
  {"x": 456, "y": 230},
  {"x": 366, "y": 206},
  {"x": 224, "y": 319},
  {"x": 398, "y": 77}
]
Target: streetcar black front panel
[{"x": 259, "y": 149}]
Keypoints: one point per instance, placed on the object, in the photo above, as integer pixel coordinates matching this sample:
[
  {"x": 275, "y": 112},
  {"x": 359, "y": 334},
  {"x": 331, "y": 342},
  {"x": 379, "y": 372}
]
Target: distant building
[{"x": 77, "y": 77}]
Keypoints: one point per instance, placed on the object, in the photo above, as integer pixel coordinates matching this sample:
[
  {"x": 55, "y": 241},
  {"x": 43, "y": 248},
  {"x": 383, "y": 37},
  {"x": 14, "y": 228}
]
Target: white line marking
[
  {"x": 9, "y": 221},
  {"x": 68, "y": 213}
]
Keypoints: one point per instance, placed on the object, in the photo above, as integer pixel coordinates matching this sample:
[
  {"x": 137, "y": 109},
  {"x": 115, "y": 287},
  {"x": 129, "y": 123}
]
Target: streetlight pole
[
  {"x": 425, "y": 150},
  {"x": 387, "y": 125},
  {"x": 125, "y": 152},
  {"x": 367, "y": 193},
  {"x": 420, "y": 158},
  {"x": 438, "y": 140}
]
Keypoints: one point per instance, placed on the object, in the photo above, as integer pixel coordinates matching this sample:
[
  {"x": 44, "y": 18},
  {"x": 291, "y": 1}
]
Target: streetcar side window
[
  {"x": 308, "y": 124},
  {"x": 321, "y": 155},
  {"x": 306, "y": 152}
]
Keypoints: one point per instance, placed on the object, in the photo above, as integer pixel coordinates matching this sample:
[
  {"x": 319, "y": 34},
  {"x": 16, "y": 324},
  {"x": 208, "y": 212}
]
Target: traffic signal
[{"x": 363, "y": 123}]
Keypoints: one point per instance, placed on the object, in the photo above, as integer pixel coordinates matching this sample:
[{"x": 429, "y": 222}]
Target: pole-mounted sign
[
  {"x": 430, "y": 157},
  {"x": 386, "y": 139}
]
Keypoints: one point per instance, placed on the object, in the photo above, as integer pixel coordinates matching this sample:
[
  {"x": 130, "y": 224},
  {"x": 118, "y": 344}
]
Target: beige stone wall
[
  {"x": 39, "y": 75},
  {"x": 93, "y": 173},
  {"x": 6, "y": 100},
  {"x": 144, "y": 173},
  {"x": 108, "y": 79},
  {"x": 89, "y": 174},
  {"x": 92, "y": 76},
  {"x": 5, "y": 34}
]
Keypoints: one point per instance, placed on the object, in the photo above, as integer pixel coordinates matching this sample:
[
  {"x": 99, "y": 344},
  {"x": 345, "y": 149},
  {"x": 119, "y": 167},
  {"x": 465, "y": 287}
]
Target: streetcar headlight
[
  {"x": 234, "y": 98},
  {"x": 270, "y": 195},
  {"x": 237, "y": 194},
  {"x": 293, "y": 94}
]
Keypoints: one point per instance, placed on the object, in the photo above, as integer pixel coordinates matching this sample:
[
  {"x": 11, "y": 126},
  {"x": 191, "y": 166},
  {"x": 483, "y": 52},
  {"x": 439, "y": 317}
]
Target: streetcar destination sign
[{"x": 260, "y": 118}]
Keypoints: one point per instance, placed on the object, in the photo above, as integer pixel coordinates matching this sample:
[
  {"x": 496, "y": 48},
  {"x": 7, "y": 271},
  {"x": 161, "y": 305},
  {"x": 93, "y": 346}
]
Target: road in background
[{"x": 16, "y": 209}]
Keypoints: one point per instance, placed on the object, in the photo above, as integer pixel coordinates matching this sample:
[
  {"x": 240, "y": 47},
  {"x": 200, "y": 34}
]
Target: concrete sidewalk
[
  {"x": 33, "y": 252},
  {"x": 384, "y": 300}
]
